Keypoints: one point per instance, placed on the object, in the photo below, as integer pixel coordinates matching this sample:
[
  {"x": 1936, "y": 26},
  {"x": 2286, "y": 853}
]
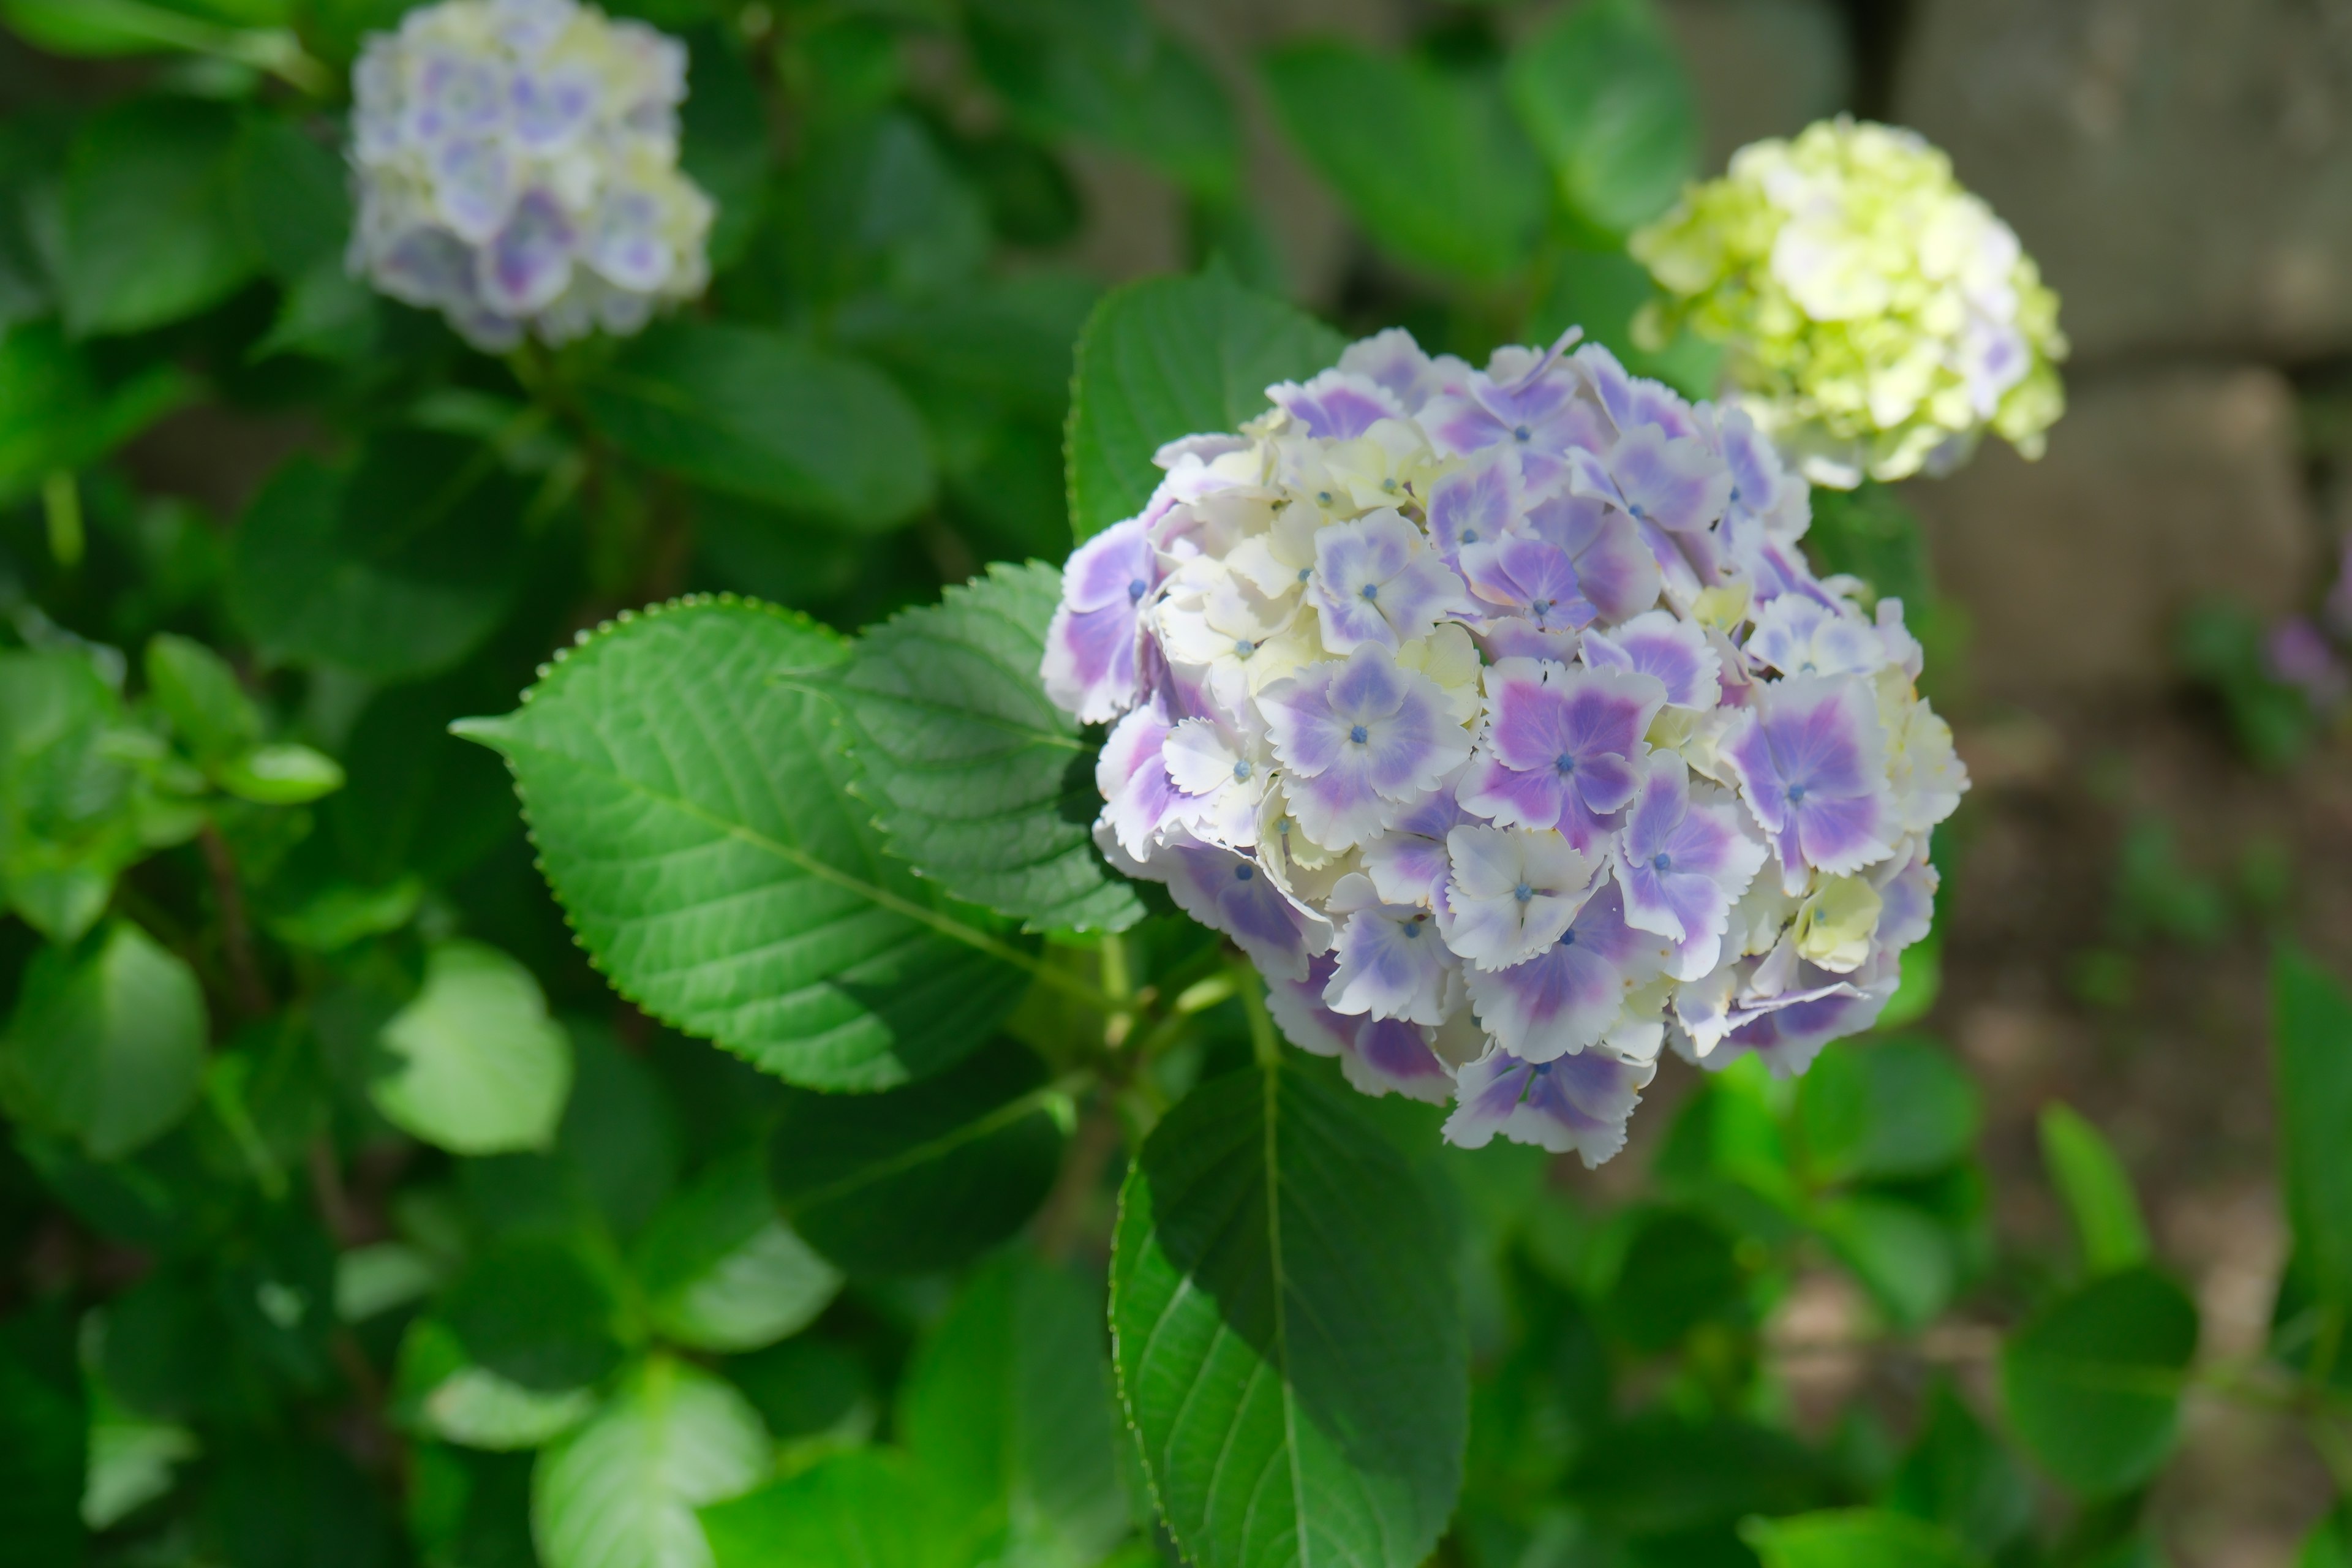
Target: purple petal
[
  {"x": 1090, "y": 662},
  {"x": 1337, "y": 406},
  {"x": 1392, "y": 966},
  {"x": 1676, "y": 483},
  {"x": 1565, "y": 998},
  {"x": 1473, "y": 504},
  {"x": 1116, "y": 567},
  {"x": 1674, "y": 652},
  {"x": 1388, "y": 1056},
  {"x": 1228, "y": 893},
  {"x": 1580, "y": 1104}
]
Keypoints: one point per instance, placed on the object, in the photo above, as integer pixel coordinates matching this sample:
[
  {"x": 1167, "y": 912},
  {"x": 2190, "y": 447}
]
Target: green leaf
[
  {"x": 1008, "y": 1409},
  {"x": 151, "y": 229},
  {"x": 2329, "y": 1545},
  {"x": 539, "y": 1311},
  {"x": 132, "y": 1461},
  {"x": 2311, "y": 1023},
  {"x": 201, "y": 696},
  {"x": 687, "y": 794},
  {"x": 924, "y": 1177},
  {"x": 478, "y": 1067},
  {"x": 1603, "y": 291},
  {"x": 1903, "y": 1256},
  {"x": 869, "y": 1507},
  {"x": 1890, "y": 1109},
  {"x": 1869, "y": 533},
  {"x": 1959, "y": 1476},
  {"x": 56, "y": 415},
  {"x": 43, "y": 1449},
  {"x": 1603, "y": 94},
  {"x": 107, "y": 1042},
  {"x": 1677, "y": 1270},
  {"x": 2097, "y": 1192},
  {"x": 756, "y": 414},
  {"x": 69, "y": 801},
  {"x": 443, "y": 1392},
  {"x": 721, "y": 1271},
  {"x": 1426, "y": 157},
  {"x": 282, "y": 775},
  {"x": 621, "y": 1491},
  {"x": 1170, "y": 357},
  {"x": 293, "y": 198},
  {"x": 1853, "y": 1538},
  {"x": 1288, "y": 1338},
  {"x": 393, "y": 569},
  {"x": 2093, "y": 1382},
  {"x": 982, "y": 783},
  {"x": 1104, "y": 70}
]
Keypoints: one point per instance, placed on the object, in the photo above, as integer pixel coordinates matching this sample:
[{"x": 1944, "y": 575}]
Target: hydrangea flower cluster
[
  {"x": 1497, "y": 717},
  {"x": 515, "y": 163},
  {"x": 1877, "y": 318}
]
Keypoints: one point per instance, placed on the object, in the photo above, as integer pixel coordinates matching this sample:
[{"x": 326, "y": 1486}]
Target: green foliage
[
  {"x": 2311, "y": 1020},
  {"x": 1167, "y": 358},
  {"x": 1603, "y": 95},
  {"x": 1281, "y": 1312},
  {"x": 150, "y": 221},
  {"x": 2097, "y": 1193},
  {"x": 1898, "y": 1108},
  {"x": 720, "y": 1272},
  {"x": 622, "y": 1491},
  {"x": 1855, "y": 1538},
  {"x": 2220, "y": 646},
  {"x": 476, "y": 1066},
  {"x": 983, "y": 785},
  {"x": 697, "y": 736},
  {"x": 1425, "y": 155},
  {"x": 107, "y": 1042},
  {"x": 868, "y": 1507},
  {"x": 923, "y": 1177},
  {"x": 2093, "y": 1382}
]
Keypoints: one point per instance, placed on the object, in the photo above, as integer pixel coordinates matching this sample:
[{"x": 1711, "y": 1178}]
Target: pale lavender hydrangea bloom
[
  {"x": 516, "y": 168},
  {"x": 1497, "y": 715}
]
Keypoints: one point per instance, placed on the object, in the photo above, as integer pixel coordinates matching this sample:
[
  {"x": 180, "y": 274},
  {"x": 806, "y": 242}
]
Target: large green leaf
[
  {"x": 540, "y": 1311},
  {"x": 1425, "y": 156},
  {"x": 58, "y": 415},
  {"x": 1603, "y": 94},
  {"x": 1170, "y": 357},
  {"x": 1008, "y": 1408},
  {"x": 757, "y": 413},
  {"x": 688, "y": 792},
  {"x": 721, "y": 1271},
  {"x": 69, "y": 816},
  {"x": 150, "y": 226},
  {"x": 982, "y": 783},
  {"x": 869, "y": 1507},
  {"x": 107, "y": 1042},
  {"x": 925, "y": 1177},
  {"x": 1288, "y": 1332},
  {"x": 1853, "y": 1538},
  {"x": 1892, "y": 1107},
  {"x": 478, "y": 1067},
  {"x": 1105, "y": 70},
  {"x": 440, "y": 1389},
  {"x": 394, "y": 568},
  {"x": 1958, "y": 1475},
  {"x": 2093, "y": 1381},
  {"x": 621, "y": 1491},
  {"x": 2311, "y": 1020},
  {"x": 2097, "y": 1192}
]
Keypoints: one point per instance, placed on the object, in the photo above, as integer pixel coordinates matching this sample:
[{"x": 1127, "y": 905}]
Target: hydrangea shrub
[
  {"x": 1878, "y": 318},
  {"x": 516, "y": 168},
  {"x": 1497, "y": 715}
]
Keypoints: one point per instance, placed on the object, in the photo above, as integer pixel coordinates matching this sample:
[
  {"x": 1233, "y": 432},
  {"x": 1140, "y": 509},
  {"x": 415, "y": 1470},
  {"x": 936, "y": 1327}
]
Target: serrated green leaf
[
  {"x": 982, "y": 783},
  {"x": 1603, "y": 94},
  {"x": 2311, "y": 1022},
  {"x": 394, "y": 568},
  {"x": 151, "y": 229},
  {"x": 869, "y": 1507},
  {"x": 721, "y": 1271},
  {"x": 1289, "y": 1343},
  {"x": 107, "y": 1042},
  {"x": 2097, "y": 1192},
  {"x": 1170, "y": 357},
  {"x": 478, "y": 1067},
  {"x": 1853, "y": 1538},
  {"x": 621, "y": 1492},
  {"x": 687, "y": 793},
  {"x": 924, "y": 1177},
  {"x": 1008, "y": 1409},
  {"x": 756, "y": 414},
  {"x": 1425, "y": 156},
  {"x": 2093, "y": 1382}
]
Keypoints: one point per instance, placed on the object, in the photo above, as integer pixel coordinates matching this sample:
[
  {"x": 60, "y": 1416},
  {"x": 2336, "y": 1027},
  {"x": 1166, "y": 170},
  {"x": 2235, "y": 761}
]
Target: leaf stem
[
  {"x": 61, "y": 503},
  {"x": 237, "y": 932},
  {"x": 1264, "y": 1043}
]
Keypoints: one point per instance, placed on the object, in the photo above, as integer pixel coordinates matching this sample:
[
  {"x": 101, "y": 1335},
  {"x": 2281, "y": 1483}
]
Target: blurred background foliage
[{"x": 349, "y": 1218}]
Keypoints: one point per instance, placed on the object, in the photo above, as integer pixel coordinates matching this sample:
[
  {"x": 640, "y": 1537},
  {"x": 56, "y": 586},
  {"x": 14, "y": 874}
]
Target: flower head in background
[
  {"x": 1497, "y": 716},
  {"x": 1877, "y": 319},
  {"x": 516, "y": 164}
]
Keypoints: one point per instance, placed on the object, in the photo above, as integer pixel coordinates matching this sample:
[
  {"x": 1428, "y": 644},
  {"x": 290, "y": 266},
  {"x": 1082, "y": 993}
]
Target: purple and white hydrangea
[
  {"x": 516, "y": 168},
  {"x": 1497, "y": 717}
]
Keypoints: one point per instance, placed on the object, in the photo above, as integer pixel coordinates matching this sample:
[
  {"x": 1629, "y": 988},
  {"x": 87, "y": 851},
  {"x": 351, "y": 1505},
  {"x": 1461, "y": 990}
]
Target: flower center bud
[
  {"x": 1360, "y": 734},
  {"x": 1243, "y": 872},
  {"x": 1523, "y": 892},
  {"x": 1241, "y": 771},
  {"x": 1662, "y": 861},
  {"x": 1371, "y": 591},
  {"x": 1521, "y": 433},
  {"x": 1565, "y": 764},
  {"x": 1136, "y": 589},
  {"x": 1796, "y": 794}
]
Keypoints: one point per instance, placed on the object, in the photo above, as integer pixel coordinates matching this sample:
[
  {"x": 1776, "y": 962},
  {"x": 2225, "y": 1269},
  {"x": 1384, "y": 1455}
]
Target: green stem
[
  {"x": 1264, "y": 1043},
  {"x": 61, "y": 501}
]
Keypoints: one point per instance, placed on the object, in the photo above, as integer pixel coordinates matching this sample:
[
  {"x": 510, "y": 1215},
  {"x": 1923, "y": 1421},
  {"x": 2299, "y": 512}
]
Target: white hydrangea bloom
[
  {"x": 515, "y": 167},
  {"x": 1497, "y": 717},
  {"x": 1877, "y": 319}
]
